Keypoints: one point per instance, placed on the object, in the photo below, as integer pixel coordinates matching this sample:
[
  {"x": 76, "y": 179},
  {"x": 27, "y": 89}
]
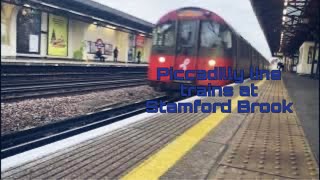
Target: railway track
[
  {"x": 24, "y": 78},
  {"x": 20, "y": 83},
  {"x": 47, "y": 69},
  {"x": 19, "y": 142},
  {"x": 24, "y": 89}
]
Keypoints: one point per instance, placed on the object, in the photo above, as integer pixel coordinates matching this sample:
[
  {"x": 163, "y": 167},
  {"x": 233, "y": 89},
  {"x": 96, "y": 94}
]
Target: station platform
[
  {"x": 190, "y": 146},
  {"x": 65, "y": 62}
]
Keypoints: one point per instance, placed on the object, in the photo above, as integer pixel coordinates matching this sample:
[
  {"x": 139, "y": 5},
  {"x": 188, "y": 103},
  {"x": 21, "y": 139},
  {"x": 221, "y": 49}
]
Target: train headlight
[
  {"x": 212, "y": 62},
  {"x": 162, "y": 59}
]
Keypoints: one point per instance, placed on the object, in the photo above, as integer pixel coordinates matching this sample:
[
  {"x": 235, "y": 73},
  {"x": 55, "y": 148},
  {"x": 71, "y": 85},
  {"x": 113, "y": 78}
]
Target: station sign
[
  {"x": 190, "y": 13},
  {"x": 99, "y": 43},
  {"x": 278, "y": 54}
]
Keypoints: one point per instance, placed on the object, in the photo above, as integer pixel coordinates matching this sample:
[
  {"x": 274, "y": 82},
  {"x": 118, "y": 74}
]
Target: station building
[
  {"x": 71, "y": 30},
  {"x": 292, "y": 32}
]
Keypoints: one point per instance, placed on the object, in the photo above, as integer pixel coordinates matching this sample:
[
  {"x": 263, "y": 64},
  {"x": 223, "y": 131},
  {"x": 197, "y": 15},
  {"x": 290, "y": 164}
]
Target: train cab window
[
  {"x": 214, "y": 35},
  {"x": 187, "y": 33},
  {"x": 210, "y": 34},
  {"x": 163, "y": 35}
]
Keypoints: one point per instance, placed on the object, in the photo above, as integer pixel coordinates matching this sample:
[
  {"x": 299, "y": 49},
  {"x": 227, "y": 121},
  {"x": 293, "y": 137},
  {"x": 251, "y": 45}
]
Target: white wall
[
  {"x": 303, "y": 67},
  {"x": 10, "y": 49},
  {"x": 8, "y": 19},
  {"x": 44, "y": 37},
  {"x": 147, "y": 49},
  {"x": 76, "y": 34}
]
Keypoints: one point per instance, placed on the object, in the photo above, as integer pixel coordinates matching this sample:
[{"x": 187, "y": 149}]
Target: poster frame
[{"x": 48, "y": 14}]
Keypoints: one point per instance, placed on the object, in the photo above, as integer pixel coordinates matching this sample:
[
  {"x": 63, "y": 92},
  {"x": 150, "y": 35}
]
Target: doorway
[{"x": 28, "y": 31}]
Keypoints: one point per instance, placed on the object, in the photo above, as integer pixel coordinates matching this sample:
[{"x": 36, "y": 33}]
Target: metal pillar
[
  {"x": 284, "y": 63},
  {"x": 318, "y": 63}
]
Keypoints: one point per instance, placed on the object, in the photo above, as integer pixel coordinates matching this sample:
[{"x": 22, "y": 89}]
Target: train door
[
  {"x": 236, "y": 53},
  {"x": 254, "y": 63},
  {"x": 186, "y": 45}
]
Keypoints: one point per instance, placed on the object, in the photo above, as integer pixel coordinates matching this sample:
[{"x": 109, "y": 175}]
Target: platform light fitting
[
  {"x": 284, "y": 11},
  {"x": 27, "y": 5},
  {"x": 111, "y": 27}
]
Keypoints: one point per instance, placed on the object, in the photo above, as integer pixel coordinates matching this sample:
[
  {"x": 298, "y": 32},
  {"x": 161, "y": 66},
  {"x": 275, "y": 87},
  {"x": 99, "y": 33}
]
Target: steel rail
[{"x": 22, "y": 141}]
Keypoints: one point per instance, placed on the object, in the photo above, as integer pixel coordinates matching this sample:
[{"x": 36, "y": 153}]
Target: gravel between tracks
[{"x": 17, "y": 116}]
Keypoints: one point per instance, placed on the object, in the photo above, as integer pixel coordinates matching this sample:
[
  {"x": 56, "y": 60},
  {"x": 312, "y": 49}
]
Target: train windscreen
[
  {"x": 163, "y": 35},
  {"x": 215, "y": 35},
  {"x": 187, "y": 33}
]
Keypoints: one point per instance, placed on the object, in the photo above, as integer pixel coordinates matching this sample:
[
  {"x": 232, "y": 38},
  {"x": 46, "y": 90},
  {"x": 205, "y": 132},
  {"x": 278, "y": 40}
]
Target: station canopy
[
  {"x": 91, "y": 12},
  {"x": 287, "y": 23}
]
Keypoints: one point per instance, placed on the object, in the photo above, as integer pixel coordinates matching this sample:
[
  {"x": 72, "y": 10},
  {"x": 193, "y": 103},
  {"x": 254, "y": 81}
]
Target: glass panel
[
  {"x": 163, "y": 35},
  {"x": 187, "y": 33},
  {"x": 310, "y": 55},
  {"x": 214, "y": 35}
]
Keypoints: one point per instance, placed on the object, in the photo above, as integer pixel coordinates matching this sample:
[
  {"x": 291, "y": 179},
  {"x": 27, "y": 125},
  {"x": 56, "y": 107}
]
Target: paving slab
[
  {"x": 269, "y": 146},
  {"x": 304, "y": 93}
]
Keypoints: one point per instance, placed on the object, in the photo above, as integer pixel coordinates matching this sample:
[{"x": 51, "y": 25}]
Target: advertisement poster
[
  {"x": 33, "y": 43},
  {"x": 131, "y": 47},
  {"x": 140, "y": 41},
  {"x": 58, "y": 36},
  {"x": 93, "y": 46},
  {"x": 139, "y": 47}
]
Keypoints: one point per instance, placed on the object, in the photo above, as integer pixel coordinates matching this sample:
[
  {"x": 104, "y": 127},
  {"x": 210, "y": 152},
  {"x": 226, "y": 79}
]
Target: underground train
[{"x": 197, "y": 39}]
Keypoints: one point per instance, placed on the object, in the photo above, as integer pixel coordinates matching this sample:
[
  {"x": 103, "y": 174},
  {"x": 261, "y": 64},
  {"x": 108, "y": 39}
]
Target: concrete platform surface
[
  {"x": 268, "y": 146},
  {"x": 189, "y": 146},
  {"x": 304, "y": 93}
]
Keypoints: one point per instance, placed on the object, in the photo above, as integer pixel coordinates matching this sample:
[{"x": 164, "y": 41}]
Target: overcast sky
[{"x": 238, "y": 13}]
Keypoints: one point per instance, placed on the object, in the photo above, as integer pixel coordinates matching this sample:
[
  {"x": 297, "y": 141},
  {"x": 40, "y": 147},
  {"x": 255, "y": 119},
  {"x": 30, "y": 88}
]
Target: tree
[{"x": 53, "y": 36}]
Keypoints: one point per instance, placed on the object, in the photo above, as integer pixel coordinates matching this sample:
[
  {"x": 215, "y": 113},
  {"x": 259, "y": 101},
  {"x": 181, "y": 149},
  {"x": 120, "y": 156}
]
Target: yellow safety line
[{"x": 160, "y": 162}]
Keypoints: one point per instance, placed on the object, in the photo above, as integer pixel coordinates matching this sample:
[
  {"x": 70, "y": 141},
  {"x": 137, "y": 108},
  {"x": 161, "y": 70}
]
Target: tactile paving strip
[{"x": 269, "y": 145}]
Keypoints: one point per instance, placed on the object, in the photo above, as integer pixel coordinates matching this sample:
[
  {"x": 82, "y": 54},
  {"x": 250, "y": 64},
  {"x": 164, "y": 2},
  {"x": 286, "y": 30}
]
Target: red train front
[{"x": 193, "y": 39}]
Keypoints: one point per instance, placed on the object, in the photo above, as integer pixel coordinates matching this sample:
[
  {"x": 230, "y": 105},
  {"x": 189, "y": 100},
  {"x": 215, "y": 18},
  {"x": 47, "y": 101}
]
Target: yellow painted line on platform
[{"x": 159, "y": 163}]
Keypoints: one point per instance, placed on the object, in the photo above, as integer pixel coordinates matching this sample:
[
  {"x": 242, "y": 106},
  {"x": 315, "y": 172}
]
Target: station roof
[
  {"x": 90, "y": 11},
  {"x": 287, "y": 23}
]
